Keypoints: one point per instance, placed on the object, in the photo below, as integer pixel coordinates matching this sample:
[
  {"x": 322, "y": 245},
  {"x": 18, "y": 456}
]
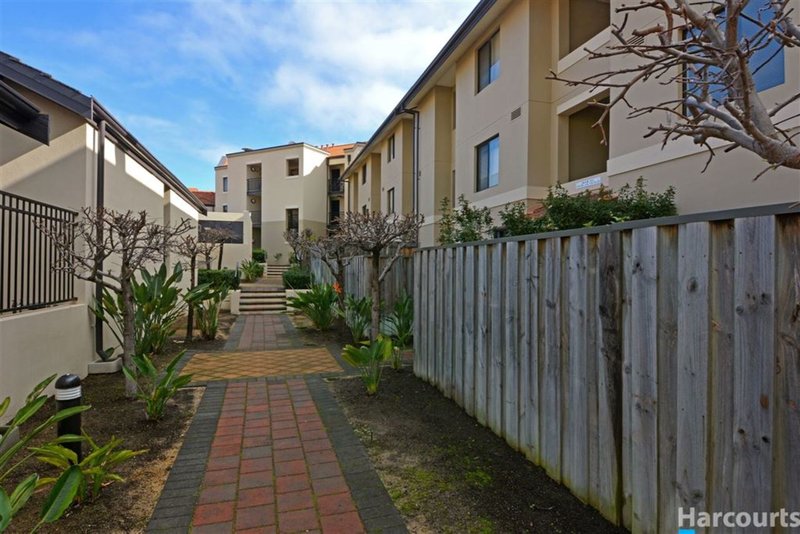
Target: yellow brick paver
[{"x": 210, "y": 366}]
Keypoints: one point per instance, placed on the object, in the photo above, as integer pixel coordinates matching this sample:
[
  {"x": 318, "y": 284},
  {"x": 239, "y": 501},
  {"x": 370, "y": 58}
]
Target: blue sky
[{"x": 195, "y": 79}]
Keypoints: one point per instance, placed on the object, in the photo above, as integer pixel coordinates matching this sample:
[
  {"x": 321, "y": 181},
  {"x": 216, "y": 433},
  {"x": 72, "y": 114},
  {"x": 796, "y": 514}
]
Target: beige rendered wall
[
  {"x": 397, "y": 173},
  {"x": 37, "y": 344},
  {"x": 480, "y": 116},
  {"x": 435, "y": 159}
]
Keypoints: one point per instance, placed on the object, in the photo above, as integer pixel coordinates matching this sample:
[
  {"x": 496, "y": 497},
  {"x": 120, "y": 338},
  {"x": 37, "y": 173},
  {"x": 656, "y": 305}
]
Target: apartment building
[
  {"x": 483, "y": 121},
  {"x": 296, "y": 186}
]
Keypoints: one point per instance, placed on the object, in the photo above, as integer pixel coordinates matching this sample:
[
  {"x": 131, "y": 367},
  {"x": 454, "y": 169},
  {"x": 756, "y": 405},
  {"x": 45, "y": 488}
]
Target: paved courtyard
[{"x": 269, "y": 449}]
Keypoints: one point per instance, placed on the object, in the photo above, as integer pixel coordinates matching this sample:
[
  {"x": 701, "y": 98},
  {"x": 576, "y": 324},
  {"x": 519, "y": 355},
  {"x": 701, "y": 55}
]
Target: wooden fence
[
  {"x": 644, "y": 367},
  {"x": 399, "y": 280}
]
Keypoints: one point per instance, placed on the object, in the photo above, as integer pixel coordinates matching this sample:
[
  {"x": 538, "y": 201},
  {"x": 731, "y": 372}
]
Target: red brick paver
[{"x": 272, "y": 467}]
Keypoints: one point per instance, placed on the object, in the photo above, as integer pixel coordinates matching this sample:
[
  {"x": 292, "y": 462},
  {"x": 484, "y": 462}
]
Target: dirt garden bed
[
  {"x": 447, "y": 473},
  {"x": 122, "y": 507}
]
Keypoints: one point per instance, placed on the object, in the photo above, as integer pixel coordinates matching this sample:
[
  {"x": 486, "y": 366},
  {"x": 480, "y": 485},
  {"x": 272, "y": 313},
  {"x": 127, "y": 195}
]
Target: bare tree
[
  {"x": 123, "y": 243},
  {"x": 333, "y": 250},
  {"x": 375, "y": 233},
  {"x": 211, "y": 241},
  {"x": 702, "y": 47}
]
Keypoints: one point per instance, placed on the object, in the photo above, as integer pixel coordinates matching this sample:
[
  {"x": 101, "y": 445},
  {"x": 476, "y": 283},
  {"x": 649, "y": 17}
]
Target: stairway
[
  {"x": 260, "y": 300},
  {"x": 276, "y": 270}
]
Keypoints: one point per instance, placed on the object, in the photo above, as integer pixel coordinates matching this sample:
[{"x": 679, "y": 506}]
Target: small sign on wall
[{"x": 587, "y": 183}]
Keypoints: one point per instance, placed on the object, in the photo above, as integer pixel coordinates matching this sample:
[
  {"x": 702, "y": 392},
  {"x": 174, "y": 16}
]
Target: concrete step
[
  {"x": 262, "y": 302},
  {"x": 262, "y": 312}
]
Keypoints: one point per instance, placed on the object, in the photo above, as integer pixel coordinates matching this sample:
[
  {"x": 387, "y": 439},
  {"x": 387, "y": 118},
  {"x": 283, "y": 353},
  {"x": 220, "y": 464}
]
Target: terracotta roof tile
[
  {"x": 337, "y": 151},
  {"x": 206, "y": 197}
]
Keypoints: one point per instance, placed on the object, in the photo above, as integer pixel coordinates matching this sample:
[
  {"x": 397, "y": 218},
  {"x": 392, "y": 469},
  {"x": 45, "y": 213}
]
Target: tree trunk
[
  {"x": 192, "y": 285},
  {"x": 376, "y": 296},
  {"x": 128, "y": 334},
  {"x": 219, "y": 261}
]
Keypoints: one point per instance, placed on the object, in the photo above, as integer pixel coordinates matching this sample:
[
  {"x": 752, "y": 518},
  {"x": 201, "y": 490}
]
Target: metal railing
[
  {"x": 28, "y": 256},
  {"x": 335, "y": 185},
  {"x": 253, "y": 186}
]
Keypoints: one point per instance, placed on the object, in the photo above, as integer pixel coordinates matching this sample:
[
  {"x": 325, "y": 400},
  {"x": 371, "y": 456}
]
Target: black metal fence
[{"x": 28, "y": 256}]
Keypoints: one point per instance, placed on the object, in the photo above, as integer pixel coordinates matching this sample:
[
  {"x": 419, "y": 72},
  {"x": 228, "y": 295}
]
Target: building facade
[
  {"x": 296, "y": 186},
  {"x": 484, "y": 121}
]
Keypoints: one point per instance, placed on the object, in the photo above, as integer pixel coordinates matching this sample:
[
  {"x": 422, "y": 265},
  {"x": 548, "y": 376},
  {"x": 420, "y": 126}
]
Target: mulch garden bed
[
  {"x": 447, "y": 473},
  {"x": 121, "y": 507}
]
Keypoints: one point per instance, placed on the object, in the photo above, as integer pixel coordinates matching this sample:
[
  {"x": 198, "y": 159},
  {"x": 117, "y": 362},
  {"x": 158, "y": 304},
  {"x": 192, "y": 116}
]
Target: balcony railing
[
  {"x": 28, "y": 255},
  {"x": 253, "y": 186},
  {"x": 335, "y": 185},
  {"x": 255, "y": 218}
]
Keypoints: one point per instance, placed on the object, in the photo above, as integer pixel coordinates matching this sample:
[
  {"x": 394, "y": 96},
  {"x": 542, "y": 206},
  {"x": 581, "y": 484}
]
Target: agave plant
[
  {"x": 66, "y": 486},
  {"x": 155, "y": 388},
  {"x": 369, "y": 358},
  {"x": 318, "y": 305},
  {"x": 399, "y": 325},
  {"x": 251, "y": 270},
  {"x": 357, "y": 316}
]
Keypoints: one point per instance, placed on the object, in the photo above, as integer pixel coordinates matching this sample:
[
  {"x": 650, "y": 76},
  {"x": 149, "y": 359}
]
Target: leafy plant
[
  {"x": 357, "y": 316},
  {"x": 218, "y": 278},
  {"x": 155, "y": 388},
  {"x": 157, "y": 308},
  {"x": 297, "y": 278},
  {"x": 251, "y": 270},
  {"x": 207, "y": 299},
  {"x": 259, "y": 255},
  {"x": 63, "y": 493},
  {"x": 590, "y": 208},
  {"x": 96, "y": 469},
  {"x": 369, "y": 358},
  {"x": 317, "y": 304},
  {"x": 464, "y": 223},
  {"x": 399, "y": 325}
]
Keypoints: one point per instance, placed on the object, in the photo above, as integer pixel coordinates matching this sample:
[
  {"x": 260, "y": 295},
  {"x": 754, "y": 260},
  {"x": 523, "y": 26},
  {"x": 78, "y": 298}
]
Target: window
[
  {"x": 587, "y": 155},
  {"x": 224, "y": 184},
  {"x": 766, "y": 62},
  {"x": 363, "y": 175},
  {"x": 487, "y": 156},
  {"x": 488, "y": 62},
  {"x": 390, "y": 148},
  {"x": 390, "y": 201},
  {"x": 225, "y": 208},
  {"x": 292, "y": 220},
  {"x": 364, "y": 210},
  {"x": 348, "y": 159},
  {"x": 293, "y": 167}
]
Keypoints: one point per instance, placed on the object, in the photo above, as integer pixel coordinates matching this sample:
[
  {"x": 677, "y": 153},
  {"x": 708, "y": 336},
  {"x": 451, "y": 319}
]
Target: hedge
[
  {"x": 297, "y": 278},
  {"x": 218, "y": 277},
  {"x": 259, "y": 255}
]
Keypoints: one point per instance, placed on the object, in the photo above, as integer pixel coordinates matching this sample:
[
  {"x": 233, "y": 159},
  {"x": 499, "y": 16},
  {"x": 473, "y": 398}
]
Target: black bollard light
[{"x": 68, "y": 394}]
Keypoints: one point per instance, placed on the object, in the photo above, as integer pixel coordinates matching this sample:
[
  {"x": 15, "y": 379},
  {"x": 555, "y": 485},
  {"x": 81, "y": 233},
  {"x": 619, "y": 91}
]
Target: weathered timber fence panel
[
  {"x": 646, "y": 366},
  {"x": 399, "y": 280}
]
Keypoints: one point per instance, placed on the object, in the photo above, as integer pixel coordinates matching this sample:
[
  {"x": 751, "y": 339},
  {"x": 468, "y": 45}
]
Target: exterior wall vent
[{"x": 516, "y": 113}]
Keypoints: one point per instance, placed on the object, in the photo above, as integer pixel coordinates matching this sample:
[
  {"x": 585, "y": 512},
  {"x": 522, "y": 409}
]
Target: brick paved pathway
[{"x": 272, "y": 455}]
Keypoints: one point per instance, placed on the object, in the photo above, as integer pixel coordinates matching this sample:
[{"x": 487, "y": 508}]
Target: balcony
[
  {"x": 255, "y": 218},
  {"x": 254, "y": 186},
  {"x": 335, "y": 186}
]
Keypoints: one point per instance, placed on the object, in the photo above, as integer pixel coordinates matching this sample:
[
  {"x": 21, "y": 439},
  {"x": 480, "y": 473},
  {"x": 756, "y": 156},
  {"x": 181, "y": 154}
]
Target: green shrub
[
  {"x": 156, "y": 388},
  {"x": 260, "y": 255},
  {"x": 66, "y": 487},
  {"x": 590, "y": 208},
  {"x": 317, "y": 304},
  {"x": 96, "y": 469},
  {"x": 357, "y": 314},
  {"x": 297, "y": 278},
  {"x": 369, "y": 358},
  {"x": 218, "y": 278},
  {"x": 399, "y": 325},
  {"x": 206, "y": 299},
  {"x": 464, "y": 223},
  {"x": 251, "y": 270}
]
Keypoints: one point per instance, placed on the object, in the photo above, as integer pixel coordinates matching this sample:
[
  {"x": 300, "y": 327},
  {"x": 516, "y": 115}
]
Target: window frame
[
  {"x": 364, "y": 175},
  {"x": 224, "y": 208},
  {"x": 390, "y": 205},
  {"x": 289, "y": 213},
  {"x": 289, "y": 170},
  {"x": 489, "y": 164},
  {"x": 493, "y": 67},
  {"x": 390, "y": 154},
  {"x": 224, "y": 184}
]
